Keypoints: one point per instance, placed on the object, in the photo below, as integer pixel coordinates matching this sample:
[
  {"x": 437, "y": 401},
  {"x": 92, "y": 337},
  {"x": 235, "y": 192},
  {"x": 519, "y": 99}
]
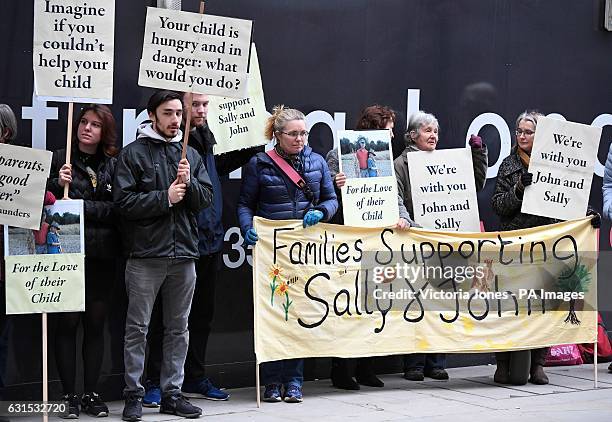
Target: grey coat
[
  {"x": 506, "y": 204},
  {"x": 479, "y": 160}
]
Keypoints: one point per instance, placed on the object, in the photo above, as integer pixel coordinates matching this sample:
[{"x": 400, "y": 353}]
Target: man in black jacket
[
  {"x": 159, "y": 196},
  {"x": 211, "y": 234}
]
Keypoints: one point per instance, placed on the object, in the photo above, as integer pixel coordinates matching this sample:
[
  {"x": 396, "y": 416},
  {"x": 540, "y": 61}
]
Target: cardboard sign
[
  {"x": 73, "y": 50},
  {"x": 443, "y": 190},
  {"x": 562, "y": 161},
  {"x": 190, "y": 52},
  {"x": 369, "y": 197}
]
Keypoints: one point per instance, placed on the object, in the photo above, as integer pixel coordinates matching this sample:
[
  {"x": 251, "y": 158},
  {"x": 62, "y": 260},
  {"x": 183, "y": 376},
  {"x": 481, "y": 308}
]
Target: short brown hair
[{"x": 375, "y": 117}]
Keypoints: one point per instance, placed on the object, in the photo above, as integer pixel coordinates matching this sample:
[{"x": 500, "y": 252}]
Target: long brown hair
[{"x": 108, "y": 138}]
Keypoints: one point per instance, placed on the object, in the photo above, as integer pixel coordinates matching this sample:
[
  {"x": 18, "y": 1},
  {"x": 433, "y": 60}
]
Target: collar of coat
[
  {"x": 514, "y": 161},
  {"x": 409, "y": 148}
]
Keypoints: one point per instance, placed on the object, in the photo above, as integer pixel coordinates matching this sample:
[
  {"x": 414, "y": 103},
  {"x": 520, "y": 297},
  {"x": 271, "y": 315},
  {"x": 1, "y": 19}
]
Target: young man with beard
[
  {"x": 159, "y": 196},
  {"x": 211, "y": 234}
]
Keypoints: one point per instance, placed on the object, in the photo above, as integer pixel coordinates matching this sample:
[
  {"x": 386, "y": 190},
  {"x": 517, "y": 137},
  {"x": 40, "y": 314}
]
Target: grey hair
[
  {"x": 7, "y": 121},
  {"x": 529, "y": 116},
  {"x": 279, "y": 119},
  {"x": 418, "y": 120}
]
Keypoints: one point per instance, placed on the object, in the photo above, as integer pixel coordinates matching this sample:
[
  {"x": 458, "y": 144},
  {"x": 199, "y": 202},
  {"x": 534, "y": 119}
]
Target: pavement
[{"x": 469, "y": 395}]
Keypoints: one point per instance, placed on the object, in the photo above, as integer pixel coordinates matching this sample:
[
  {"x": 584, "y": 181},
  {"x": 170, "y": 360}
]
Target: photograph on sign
[
  {"x": 73, "y": 50},
  {"x": 190, "y": 52},
  {"x": 61, "y": 232},
  {"x": 365, "y": 154}
]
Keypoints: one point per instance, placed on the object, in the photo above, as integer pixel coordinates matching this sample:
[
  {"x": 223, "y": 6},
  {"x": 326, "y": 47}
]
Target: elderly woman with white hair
[
  {"x": 422, "y": 135},
  {"x": 8, "y": 124}
]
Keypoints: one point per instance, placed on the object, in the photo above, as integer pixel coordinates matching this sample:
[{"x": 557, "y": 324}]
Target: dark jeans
[
  {"x": 425, "y": 361},
  {"x": 200, "y": 322},
  {"x": 285, "y": 372}
]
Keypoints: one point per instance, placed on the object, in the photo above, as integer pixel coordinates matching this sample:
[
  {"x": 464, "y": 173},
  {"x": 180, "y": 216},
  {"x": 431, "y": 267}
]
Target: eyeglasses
[
  {"x": 295, "y": 133},
  {"x": 527, "y": 132}
]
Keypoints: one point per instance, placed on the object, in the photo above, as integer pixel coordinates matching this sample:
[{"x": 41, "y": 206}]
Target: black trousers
[{"x": 200, "y": 322}]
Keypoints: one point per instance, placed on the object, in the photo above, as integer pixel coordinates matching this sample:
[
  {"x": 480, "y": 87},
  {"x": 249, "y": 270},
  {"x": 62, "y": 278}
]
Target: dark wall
[{"x": 466, "y": 57}]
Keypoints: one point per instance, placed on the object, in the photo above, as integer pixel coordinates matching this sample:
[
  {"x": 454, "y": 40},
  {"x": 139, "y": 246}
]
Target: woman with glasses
[
  {"x": 422, "y": 135},
  {"x": 512, "y": 179},
  {"x": 268, "y": 191}
]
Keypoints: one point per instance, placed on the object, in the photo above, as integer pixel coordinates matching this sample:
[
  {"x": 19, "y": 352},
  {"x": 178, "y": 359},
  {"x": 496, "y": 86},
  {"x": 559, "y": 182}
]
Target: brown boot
[
  {"x": 537, "y": 375},
  {"x": 502, "y": 373}
]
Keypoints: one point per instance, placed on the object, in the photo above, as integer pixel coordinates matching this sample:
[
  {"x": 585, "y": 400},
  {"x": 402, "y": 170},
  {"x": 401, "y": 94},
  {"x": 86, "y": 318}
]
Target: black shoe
[
  {"x": 71, "y": 410},
  {"x": 537, "y": 375},
  {"x": 179, "y": 406},
  {"x": 340, "y": 376},
  {"x": 132, "y": 411},
  {"x": 92, "y": 404},
  {"x": 502, "y": 372},
  {"x": 414, "y": 374},
  {"x": 437, "y": 374},
  {"x": 610, "y": 368},
  {"x": 364, "y": 373}
]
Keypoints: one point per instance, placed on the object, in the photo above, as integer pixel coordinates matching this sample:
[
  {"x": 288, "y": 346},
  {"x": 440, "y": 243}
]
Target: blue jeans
[
  {"x": 286, "y": 372},
  {"x": 425, "y": 361}
]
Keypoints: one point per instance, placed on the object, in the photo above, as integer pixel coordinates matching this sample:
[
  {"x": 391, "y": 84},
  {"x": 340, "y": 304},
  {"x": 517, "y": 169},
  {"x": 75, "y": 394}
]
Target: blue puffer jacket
[{"x": 269, "y": 193}]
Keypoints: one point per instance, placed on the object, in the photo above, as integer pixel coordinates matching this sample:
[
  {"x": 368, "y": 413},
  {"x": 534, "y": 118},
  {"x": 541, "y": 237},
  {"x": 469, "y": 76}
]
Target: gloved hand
[
  {"x": 596, "y": 220},
  {"x": 250, "y": 237},
  {"x": 525, "y": 180},
  {"x": 475, "y": 142},
  {"x": 312, "y": 217}
]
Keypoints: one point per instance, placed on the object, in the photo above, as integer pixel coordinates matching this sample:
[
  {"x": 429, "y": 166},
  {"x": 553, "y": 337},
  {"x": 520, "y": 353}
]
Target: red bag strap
[{"x": 286, "y": 168}]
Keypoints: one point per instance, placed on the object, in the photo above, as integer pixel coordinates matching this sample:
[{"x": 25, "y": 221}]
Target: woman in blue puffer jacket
[{"x": 268, "y": 192}]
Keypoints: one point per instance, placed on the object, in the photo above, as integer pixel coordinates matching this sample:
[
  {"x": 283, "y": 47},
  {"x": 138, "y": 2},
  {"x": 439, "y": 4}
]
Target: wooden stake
[
  {"x": 45, "y": 379},
  {"x": 257, "y": 386},
  {"x": 595, "y": 361},
  {"x": 187, "y": 125},
  {"x": 202, "y": 7},
  {"x": 68, "y": 143}
]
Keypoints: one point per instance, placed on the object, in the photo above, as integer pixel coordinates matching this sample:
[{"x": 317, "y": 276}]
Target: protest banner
[
  {"x": 331, "y": 290},
  {"x": 191, "y": 52},
  {"x": 22, "y": 185},
  {"x": 73, "y": 50},
  {"x": 45, "y": 268},
  {"x": 443, "y": 189},
  {"x": 239, "y": 123},
  {"x": 562, "y": 161},
  {"x": 369, "y": 197}
]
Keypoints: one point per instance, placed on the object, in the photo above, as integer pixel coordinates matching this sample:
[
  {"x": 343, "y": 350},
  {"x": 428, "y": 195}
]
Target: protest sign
[
  {"x": 443, "y": 189},
  {"x": 73, "y": 50},
  {"x": 45, "y": 268},
  {"x": 191, "y": 52},
  {"x": 22, "y": 185},
  {"x": 331, "y": 290},
  {"x": 239, "y": 123},
  {"x": 562, "y": 161},
  {"x": 369, "y": 197}
]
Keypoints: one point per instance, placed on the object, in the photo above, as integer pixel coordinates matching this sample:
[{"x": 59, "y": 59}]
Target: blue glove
[
  {"x": 312, "y": 217},
  {"x": 250, "y": 237}
]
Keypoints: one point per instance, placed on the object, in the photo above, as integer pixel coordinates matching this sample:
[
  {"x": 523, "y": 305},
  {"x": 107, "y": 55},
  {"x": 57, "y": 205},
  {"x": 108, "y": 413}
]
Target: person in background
[
  {"x": 268, "y": 191},
  {"x": 89, "y": 176},
  {"x": 372, "y": 117},
  {"x": 422, "y": 135},
  {"x": 512, "y": 179}
]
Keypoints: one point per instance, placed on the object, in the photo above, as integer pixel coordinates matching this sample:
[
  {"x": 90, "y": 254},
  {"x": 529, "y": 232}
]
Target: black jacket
[
  {"x": 101, "y": 231},
  {"x": 506, "y": 204},
  {"x": 151, "y": 227},
  {"x": 210, "y": 223}
]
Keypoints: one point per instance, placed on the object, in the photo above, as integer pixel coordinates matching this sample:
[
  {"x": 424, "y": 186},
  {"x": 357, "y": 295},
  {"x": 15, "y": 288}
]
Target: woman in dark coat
[
  {"x": 268, "y": 192},
  {"x": 512, "y": 179},
  {"x": 90, "y": 175}
]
